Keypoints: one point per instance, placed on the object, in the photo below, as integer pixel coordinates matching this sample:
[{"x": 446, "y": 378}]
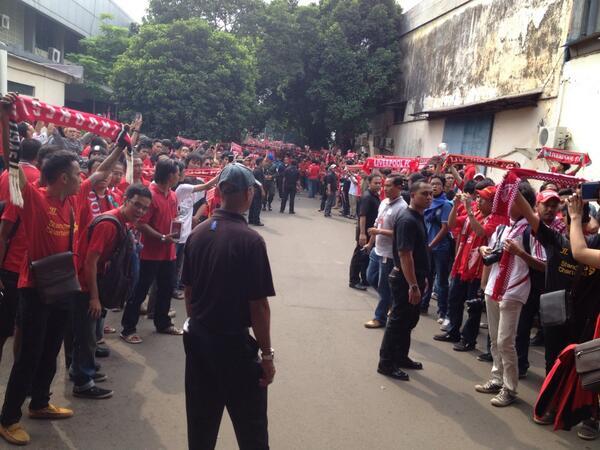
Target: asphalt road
[{"x": 327, "y": 394}]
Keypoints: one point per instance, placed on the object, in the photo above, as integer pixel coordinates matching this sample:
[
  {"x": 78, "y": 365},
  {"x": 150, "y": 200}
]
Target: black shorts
[{"x": 8, "y": 303}]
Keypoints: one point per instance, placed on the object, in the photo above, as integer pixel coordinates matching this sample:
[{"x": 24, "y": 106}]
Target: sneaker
[
  {"x": 440, "y": 320},
  {"x": 485, "y": 357},
  {"x": 50, "y": 412},
  {"x": 489, "y": 387},
  {"x": 15, "y": 434},
  {"x": 546, "y": 419},
  {"x": 446, "y": 337},
  {"x": 94, "y": 392},
  {"x": 445, "y": 325},
  {"x": 463, "y": 346},
  {"x": 102, "y": 352},
  {"x": 374, "y": 323},
  {"x": 504, "y": 398},
  {"x": 588, "y": 430}
]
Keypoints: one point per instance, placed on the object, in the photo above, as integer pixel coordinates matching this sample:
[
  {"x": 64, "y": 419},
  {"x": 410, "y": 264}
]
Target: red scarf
[
  {"x": 563, "y": 180},
  {"x": 480, "y": 161},
  {"x": 564, "y": 156}
]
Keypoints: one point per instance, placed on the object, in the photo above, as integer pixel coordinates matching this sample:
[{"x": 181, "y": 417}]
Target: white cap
[{"x": 479, "y": 175}]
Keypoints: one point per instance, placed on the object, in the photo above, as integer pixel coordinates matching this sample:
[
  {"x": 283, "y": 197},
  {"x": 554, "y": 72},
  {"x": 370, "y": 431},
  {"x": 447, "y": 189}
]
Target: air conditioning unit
[
  {"x": 389, "y": 143},
  {"x": 54, "y": 55},
  {"x": 5, "y": 21},
  {"x": 553, "y": 137}
]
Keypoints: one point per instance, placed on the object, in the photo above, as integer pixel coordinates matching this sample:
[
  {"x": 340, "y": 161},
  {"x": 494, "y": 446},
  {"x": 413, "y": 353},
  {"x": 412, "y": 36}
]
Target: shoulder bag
[
  {"x": 556, "y": 307},
  {"x": 587, "y": 364},
  {"x": 55, "y": 275}
]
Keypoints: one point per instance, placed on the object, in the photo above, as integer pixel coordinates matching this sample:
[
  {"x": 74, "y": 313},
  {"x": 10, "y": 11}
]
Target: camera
[{"x": 493, "y": 257}]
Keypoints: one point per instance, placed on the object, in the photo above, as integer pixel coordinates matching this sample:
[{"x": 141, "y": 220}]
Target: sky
[{"x": 137, "y": 8}]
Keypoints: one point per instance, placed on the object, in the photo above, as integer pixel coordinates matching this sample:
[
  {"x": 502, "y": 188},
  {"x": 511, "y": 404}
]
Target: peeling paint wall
[{"x": 483, "y": 50}]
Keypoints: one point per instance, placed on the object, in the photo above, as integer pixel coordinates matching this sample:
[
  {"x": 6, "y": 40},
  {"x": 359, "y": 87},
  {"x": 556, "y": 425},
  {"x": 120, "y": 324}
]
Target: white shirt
[
  {"x": 186, "y": 198},
  {"x": 386, "y": 219},
  {"x": 519, "y": 282}
]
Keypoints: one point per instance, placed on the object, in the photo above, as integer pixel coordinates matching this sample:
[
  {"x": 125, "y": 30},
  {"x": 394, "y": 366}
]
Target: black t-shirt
[
  {"x": 561, "y": 269},
  {"x": 331, "y": 181},
  {"x": 259, "y": 174},
  {"x": 227, "y": 267},
  {"x": 291, "y": 177},
  {"x": 369, "y": 207},
  {"x": 410, "y": 234}
]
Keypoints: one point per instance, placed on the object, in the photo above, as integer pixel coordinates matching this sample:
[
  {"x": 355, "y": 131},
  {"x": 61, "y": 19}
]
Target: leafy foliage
[{"x": 187, "y": 78}]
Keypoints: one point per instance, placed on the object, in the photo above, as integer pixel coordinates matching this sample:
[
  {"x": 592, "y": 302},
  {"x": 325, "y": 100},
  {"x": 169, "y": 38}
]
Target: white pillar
[{"x": 3, "y": 69}]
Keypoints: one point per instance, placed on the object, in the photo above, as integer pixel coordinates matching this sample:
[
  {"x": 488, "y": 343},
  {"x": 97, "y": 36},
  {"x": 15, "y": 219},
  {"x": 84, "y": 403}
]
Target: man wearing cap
[
  {"x": 466, "y": 271},
  {"x": 227, "y": 279}
]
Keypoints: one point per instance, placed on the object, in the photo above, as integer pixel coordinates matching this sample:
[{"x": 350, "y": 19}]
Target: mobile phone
[
  {"x": 590, "y": 190},
  {"x": 176, "y": 229}
]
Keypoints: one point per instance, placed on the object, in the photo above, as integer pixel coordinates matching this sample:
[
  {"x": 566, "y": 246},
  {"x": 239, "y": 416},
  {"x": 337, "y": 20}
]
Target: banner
[
  {"x": 564, "y": 156},
  {"x": 189, "y": 142},
  {"x": 236, "y": 148},
  {"x": 394, "y": 162},
  {"x": 206, "y": 174},
  {"x": 29, "y": 109},
  {"x": 480, "y": 161}
]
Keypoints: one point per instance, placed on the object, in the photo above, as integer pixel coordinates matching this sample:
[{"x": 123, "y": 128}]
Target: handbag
[
  {"x": 55, "y": 275},
  {"x": 556, "y": 307},
  {"x": 587, "y": 364}
]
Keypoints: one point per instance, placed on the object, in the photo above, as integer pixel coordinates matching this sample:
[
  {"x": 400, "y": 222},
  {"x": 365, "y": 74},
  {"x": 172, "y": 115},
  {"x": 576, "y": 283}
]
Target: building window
[
  {"x": 21, "y": 88},
  {"x": 585, "y": 19},
  {"x": 469, "y": 135}
]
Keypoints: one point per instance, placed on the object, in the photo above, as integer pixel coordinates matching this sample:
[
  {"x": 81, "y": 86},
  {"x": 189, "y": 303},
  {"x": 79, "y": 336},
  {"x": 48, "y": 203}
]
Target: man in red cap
[{"x": 467, "y": 268}]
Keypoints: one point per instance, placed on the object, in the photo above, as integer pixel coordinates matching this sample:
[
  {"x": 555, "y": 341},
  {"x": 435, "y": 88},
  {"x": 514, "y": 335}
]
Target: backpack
[{"x": 115, "y": 285}]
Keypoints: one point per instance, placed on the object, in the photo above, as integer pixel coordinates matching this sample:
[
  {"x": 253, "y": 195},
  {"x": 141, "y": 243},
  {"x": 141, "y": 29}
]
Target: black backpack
[{"x": 115, "y": 284}]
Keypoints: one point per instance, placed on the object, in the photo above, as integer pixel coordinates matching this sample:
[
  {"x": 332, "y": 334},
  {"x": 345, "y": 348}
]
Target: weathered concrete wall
[{"x": 482, "y": 50}]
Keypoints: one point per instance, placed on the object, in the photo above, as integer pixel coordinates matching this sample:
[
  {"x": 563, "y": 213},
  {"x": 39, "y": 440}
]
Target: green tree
[
  {"x": 98, "y": 56},
  {"x": 187, "y": 78}
]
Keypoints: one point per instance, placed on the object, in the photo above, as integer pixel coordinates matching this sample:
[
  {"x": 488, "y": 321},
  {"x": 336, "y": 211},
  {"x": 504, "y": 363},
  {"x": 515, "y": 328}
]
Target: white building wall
[
  {"x": 417, "y": 138},
  {"x": 49, "y": 85}
]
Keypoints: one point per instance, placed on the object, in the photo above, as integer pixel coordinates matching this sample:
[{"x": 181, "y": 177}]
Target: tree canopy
[{"x": 212, "y": 68}]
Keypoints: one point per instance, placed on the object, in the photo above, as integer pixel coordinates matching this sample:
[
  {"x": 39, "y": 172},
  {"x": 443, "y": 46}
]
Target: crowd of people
[{"x": 434, "y": 231}]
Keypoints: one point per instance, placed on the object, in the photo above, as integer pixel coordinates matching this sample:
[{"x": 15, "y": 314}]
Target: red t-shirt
[
  {"x": 32, "y": 174},
  {"x": 103, "y": 241},
  {"x": 313, "y": 171},
  {"x": 163, "y": 210},
  {"x": 117, "y": 194},
  {"x": 468, "y": 262},
  {"x": 17, "y": 249},
  {"x": 94, "y": 205},
  {"x": 46, "y": 221}
]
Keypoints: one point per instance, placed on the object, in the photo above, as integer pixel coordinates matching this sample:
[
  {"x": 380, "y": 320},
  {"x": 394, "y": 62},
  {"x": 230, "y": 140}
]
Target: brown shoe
[
  {"x": 374, "y": 323},
  {"x": 50, "y": 412},
  {"x": 15, "y": 434}
]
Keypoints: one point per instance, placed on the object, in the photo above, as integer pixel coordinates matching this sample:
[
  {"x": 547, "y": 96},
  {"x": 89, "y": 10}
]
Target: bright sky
[{"x": 137, "y": 8}]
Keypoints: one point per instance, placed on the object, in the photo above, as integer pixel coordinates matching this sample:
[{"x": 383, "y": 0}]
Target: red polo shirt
[
  {"x": 46, "y": 221},
  {"x": 103, "y": 241},
  {"x": 17, "y": 249},
  {"x": 163, "y": 210},
  {"x": 313, "y": 171}
]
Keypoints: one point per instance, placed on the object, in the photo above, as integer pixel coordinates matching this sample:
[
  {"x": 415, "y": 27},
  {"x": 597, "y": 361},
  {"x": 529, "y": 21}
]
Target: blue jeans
[
  {"x": 383, "y": 289},
  {"x": 373, "y": 269},
  {"x": 83, "y": 366},
  {"x": 313, "y": 188},
  {"x": 440, "y": 260}
]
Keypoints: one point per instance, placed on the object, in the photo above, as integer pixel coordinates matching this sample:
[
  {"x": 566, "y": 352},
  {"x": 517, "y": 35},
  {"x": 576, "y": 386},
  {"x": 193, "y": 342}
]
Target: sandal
[
  {"x": 172, "y": 330},
  {"x": 109, "y": 330},
  {"x": 131, "y": 338}
]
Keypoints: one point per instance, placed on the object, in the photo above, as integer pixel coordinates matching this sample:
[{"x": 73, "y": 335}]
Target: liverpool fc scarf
[
  {"x": 480, "y": 161},
  {"x": 564, "y": 156}
]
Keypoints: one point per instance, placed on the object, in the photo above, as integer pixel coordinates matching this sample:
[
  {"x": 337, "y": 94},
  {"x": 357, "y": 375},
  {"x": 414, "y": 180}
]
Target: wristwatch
[
  {"x": 163, "y": 238},
  {"x": 268, "y": 355}
]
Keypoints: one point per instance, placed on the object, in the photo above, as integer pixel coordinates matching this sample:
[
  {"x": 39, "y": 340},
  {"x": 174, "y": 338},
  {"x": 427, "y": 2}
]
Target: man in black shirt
[
  {"x": 367, "y": 214},
  {"x": 564, "y": 272},
  {"x": 331, "y": 185},
  {"x": 269, "y": 184},
  {"x": 227, "y": 280},
  {"x": 254, "y": 213},
  {"x": 407, "y": 282},
  {"x": 291, "y": 184}
]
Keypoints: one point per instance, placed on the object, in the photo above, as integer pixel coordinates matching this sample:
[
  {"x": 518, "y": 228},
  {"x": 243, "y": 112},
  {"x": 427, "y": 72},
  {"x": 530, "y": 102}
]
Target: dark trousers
[
  {"x": 555, "y": 340},
  {"x": 9, "y": 303},
  {"x": 223, "y": 372},
  {"x": 270, "y": 194},
  {"x": 290, "y": 193},
  {"x": 164, "y": 274},
  {"x": 83, "y": 365},
  {"x": 279, "y": 183},
  {"x": 460, "y": 292},
  {"x": 255, "y": 207},
  {"x": 43, "y": 328},
  {"x": 329, "y": 203},
  {"x": 401, "y": 321},
  {"x": 358, "y": 266},
  {"x": 530, "y": 309}
]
